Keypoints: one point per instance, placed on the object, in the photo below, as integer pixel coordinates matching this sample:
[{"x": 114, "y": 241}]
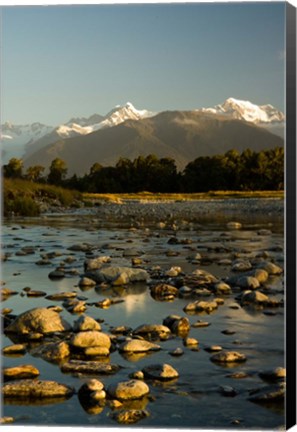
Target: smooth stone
[
  {"x": 164, "y": 290},
  {"x": 200, "y": 324},
  {"x": 127, "y": 274},
  {"x": 97, "y": 351},
  {"x": 213, "y": 348},
  {"x": 90, "y": 338},
  {"x": 62, "y": 295},
  {"x": 20, "y": 372},
  {"x": 86, "y": 282},
  {"x": 176, "y": 352},
  {"x": 137, "y": 375},
  {"x": 199, "y": 306},
  {"x": 160, "y": 372},
  {"x": 92, "y": 385},
  {"x": 241, "y": 266},
  {"x": 6, "y": 419},
  {"x": 147, "y": 330},
  {"x": 36, "y": 389},
  {"x": 228, "y": 391},
  {"x": 89, "y": 367},
  {"x": 130, "y": 416},
  {"x": 38, "y": 320},
  {"x": 74, "y": 305},
  {"x": 222, "y": 288},
  {"x": 14, "y": 349},
  {"x": 128, "y": 390},
  {"x": 177, "y": 324},
  {"x": 228, "y": 357},
  {"x": 85, "y": 323},
  {"x": 56, "y": 274},
  {"x": 270, "y": 268},
  {"x": 248, "y": 282},
  {"x": 138, "y": 346},
  {"x": 274, "y": 374},
  {"x": 35, "y": 293},
  {"x": 190, "y": 341},
  {"x": 96, "y": 263},
  {"x": 253, "y": 297}
]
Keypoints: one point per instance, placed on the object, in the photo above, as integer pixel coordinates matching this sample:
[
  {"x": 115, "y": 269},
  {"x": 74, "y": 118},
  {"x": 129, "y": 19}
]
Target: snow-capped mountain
[
  {"x": 19, "y": 140},
  {"x": 245, "y": 110}
]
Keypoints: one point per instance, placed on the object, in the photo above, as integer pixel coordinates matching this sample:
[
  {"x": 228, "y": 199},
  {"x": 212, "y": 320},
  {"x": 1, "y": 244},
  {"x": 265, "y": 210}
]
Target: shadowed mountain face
[{"x": 181, "y": 135}]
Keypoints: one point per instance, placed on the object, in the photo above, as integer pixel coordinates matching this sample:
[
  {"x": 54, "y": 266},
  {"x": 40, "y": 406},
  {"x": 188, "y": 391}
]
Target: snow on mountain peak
[{"x": 246, "y": 110}]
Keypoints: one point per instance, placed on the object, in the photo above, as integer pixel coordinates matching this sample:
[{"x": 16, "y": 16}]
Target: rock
[
  {"x": 20, "y": 372},
  {"x": 96, "y": 351},
  {"x": 201, "y": 324},
  {"x": 131, "y": 252},
  {"x": 253, "y": 297},
  {"x": 89, "y": 367},
  {"x": 176, "y": 352},
  {"x": 259, "y": 274},
  {"x": 138, "y": 346},
  {"x": 177, "y": 324},
  {"x": 56, "y": 274},
  {"x": 228, "y": 332},
  {"x": 35, "y": 293},
  {"x": 128, "y": 390},
  {"x": 162, "y": 291},
  {"x": 74, "y": 305},
  {"x": 36, "y": 389},
  {"x": 87, "y": 339},
  {"x": 228, "y": 391},
  {"x": 96, "y": 263},
  {"x": 271, "y": 393},
  {"x": 248, "y": 282},
  {"x": 81, "y": 247},
  {"x": 5, "y": 420},
  {"x": 121, "y": 275},
  {"x": 62, "y": 295},
  {"x": 190, "y": 342},
  {"x": 137, "y": 375},
  {"x": 93, "y": 389},
  {"x": 228, "y": 357},
  {"x": 213, "y": 348},
  {"x": 53, "y": 352},
  {"x": 85, "y": 323},
  {"x": 173, "y": 271},
  {"x": 86, "y": 282},
  {"x": 151, "y": 331},
  {"x": 104, "y": 304},
  {"x": 121, "y": 330},
  {"x": 270, "y": 268},
  {"x": 276, "y": 374},
  {"x": 222, "y": 288},
  {"x": 161, "y": 372},
  {"x": 238, "y": 375},
  {"x": 199, "y": 306},
  {"x": 130, "y": 416},
  {"x": 39, "y": 320},
  {"x": 14, "y": 349},
  {"x": 6, "y": 292},
  {"x": 241, "y": 265}
]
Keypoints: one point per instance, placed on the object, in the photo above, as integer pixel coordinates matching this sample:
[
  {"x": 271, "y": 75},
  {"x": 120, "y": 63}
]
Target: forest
[{"x": 234, "y": 171}]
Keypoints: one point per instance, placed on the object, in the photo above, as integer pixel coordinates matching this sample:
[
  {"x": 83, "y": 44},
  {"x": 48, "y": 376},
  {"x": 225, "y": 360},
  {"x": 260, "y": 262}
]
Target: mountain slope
[{"x": 182, "y": 135}]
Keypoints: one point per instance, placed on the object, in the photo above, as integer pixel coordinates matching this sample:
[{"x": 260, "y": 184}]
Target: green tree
[
  {"x": 14, "y": 168},
  {"x": 57, "y": 172},
  {"x": 34, "y": 173}
]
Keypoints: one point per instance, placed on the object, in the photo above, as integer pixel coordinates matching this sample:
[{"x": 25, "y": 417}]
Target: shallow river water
[{"x": 193, "y": 400}]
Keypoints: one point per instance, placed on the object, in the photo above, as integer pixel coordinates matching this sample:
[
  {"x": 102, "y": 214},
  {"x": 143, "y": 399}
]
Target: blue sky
[{"x": 65, "y": 61}]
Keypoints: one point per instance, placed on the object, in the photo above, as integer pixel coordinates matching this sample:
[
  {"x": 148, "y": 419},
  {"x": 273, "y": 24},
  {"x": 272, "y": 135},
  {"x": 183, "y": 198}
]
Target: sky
[{"x": 66, "y": 61}]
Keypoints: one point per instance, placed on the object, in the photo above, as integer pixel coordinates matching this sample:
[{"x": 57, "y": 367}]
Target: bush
[{"x": 21, "y": 206}]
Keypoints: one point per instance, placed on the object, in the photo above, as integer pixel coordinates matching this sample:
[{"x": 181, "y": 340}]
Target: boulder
[
  {"x": 38, "y": 320},
  {"x": 90, "y": 338},
  {"x": 85, "y": 323},
  {"x": 138, "y": 346},
  {"x": 128, "y": 390},
  {"x": 35, "y": 389},
  {"x": 161, "y": 372}
]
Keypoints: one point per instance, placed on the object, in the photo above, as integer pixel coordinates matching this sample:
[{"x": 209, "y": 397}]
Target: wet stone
[
  {"x": 14, "y": 349},
  {"x": 35, "y": 389},
  {"x": 228, "y": 357},
  {"x": 20, "y": 372},
  {"x": 128, "y": 390},
  {"x": 130, "y": 416},
  {"x": 138, "y": 346},
  {"x": 85, "y": 323},
  {"x": 89, "y": 367},
  {"x": 161, "y": 372}
]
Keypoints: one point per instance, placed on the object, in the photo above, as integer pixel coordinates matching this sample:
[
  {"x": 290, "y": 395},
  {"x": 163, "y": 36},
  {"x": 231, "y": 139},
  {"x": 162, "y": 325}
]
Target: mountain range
[{"x": 128, "y": 132}]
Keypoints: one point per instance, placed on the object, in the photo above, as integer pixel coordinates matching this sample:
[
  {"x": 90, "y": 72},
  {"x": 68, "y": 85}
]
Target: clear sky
[{"x": 64, "y": 61}]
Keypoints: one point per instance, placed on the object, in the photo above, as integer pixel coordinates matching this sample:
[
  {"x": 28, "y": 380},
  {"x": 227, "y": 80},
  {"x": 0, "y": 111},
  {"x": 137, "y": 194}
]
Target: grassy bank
[{"x": 25, "y": 198}]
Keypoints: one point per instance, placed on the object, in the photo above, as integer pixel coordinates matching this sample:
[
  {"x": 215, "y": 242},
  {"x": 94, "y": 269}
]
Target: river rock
[
  {"x": 96, "y": 263},
  {"x": 222, "y": 288},
  {"x": 85, "y": 323},
  {"x": 53, "y": 352},
  {"x": 93, "y": 390},
  {"x": 271, "y": 268},
  {"x": 259, "y": 274},
  {"x": 248, "y": 282},
  {"x": 128, "y": 390},
  {"x": 87, "y": 339},
  {"x": 161, "y": 372},
  {"x": 14, "y": 349},
  {"x": 130, "y": 416},
  {"x": 138, "y": 346},
  {"x": 89, "y": 367},
  {"x": 163, "y": 291},
  {"x": 253, "y": 297},
  {"x": 150, "y": 331},
  {"x": 56, "y": 274},
  {"x": 62, "y": 295},
  {"x": 20, "y": 372},
  {"x": 118, "y": 275},
  {"x": 132, "y": 252},
  {"x": 199, "y": 306},
  {"x": 276, "y": 374},
  {"x": 271, "y": 393},
  {"x": 38, "y": 320},
  {"x": 241, "y": 265},
  {"x": 86, "y": 282},
  {"x": 228, "y": 357},
  {"x": 36, "y": 389},
  {"x": 74, "y": 305}
]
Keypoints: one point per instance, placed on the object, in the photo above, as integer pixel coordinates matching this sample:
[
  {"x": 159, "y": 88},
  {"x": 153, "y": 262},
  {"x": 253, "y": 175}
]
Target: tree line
[{"x": 249, "y": 170}]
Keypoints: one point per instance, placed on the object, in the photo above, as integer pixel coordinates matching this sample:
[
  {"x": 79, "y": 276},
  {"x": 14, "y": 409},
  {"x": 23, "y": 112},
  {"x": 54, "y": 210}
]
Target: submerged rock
[
  {"x": 163, "y": 291},
  {"x": 272, "y": 393},
  {"x": 53, "y": 352},
  {"x": 228, "y": 357},
  {"x": 153, "y": 330},
  {"x": 276, "y": 374},
  {"x": 138, "y": 346},
  {"x": 86, "y": 339},
  {"x": 89, "y": 367},
  {"x": 130, "y": 416},
  {"x": 85, "y": 323}
]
